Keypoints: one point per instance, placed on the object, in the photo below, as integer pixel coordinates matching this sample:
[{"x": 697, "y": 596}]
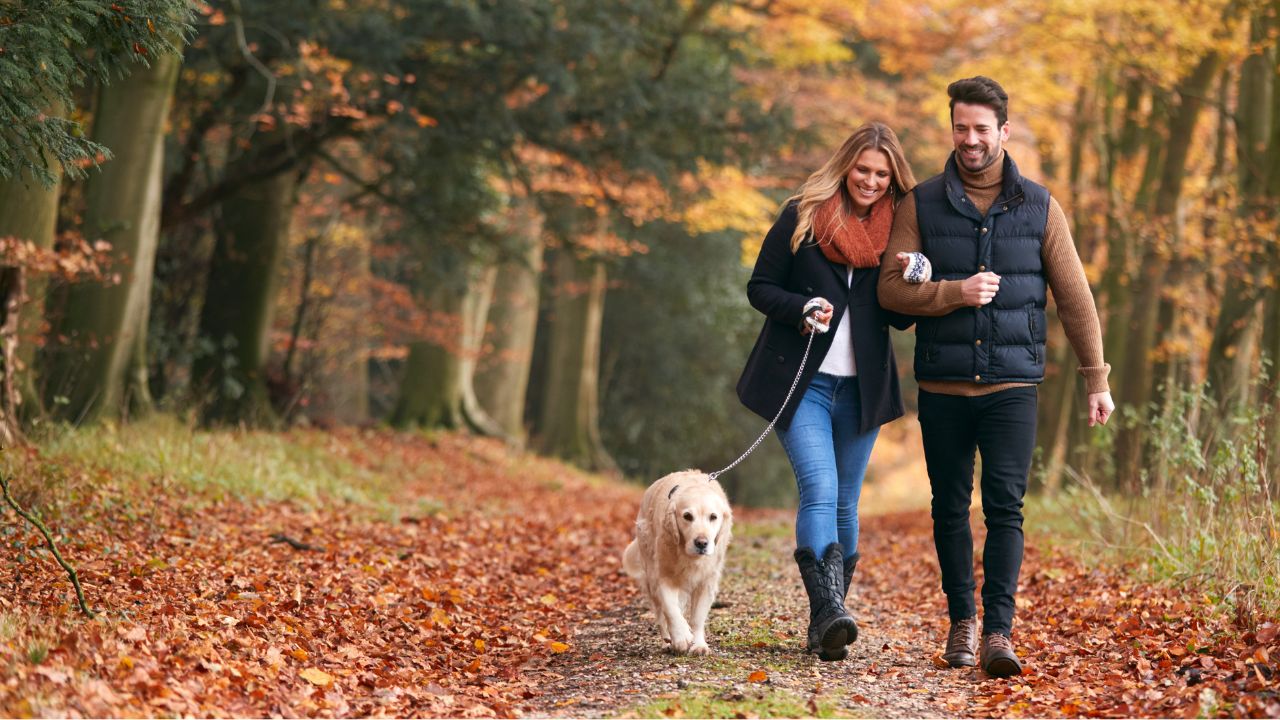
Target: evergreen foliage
[{"x": 49, "y": 47}]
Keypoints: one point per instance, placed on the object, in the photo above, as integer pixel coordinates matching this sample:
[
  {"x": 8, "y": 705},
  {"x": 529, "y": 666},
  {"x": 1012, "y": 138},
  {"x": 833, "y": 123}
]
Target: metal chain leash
[{"x": 814, "y": 331}]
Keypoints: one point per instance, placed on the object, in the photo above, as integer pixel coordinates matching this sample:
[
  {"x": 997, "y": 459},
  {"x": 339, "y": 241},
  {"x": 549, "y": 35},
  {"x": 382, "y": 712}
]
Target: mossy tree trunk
[
  {"x": 94, "y": 370},
  {"x": 568, "y": 424}
]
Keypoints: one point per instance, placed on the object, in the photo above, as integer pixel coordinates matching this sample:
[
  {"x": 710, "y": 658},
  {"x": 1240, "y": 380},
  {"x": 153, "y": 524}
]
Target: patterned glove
[{"x": 919, "y": 269}]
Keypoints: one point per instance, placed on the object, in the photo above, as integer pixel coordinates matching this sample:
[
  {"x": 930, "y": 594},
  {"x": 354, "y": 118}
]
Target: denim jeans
[
  {"x": 829, "y": 458},
  {"x": 1001, "y": 427}
]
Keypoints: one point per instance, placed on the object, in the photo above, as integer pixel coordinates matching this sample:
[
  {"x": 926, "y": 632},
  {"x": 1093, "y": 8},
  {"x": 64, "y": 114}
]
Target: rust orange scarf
[{"x": 845, "y": 239}]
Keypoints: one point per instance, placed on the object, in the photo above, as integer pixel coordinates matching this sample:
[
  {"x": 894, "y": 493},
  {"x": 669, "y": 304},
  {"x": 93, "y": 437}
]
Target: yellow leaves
[
  {"x": 439, "y": 617},
  {"x": 549, "y": 600},
  {"x": 558, "y": 647},
  {"x": 299, "y": 654},
  {"x": 480, "y": 645},
  {"x": 316, "y": 677}
]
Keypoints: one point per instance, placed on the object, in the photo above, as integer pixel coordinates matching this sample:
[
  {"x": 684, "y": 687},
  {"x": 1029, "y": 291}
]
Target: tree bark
[
  {"x": 437, "y": 391},
  {"x": 29, "y": 212},
  {"x": 1136, "y": 380},
  {"x": 240, "y": 299},
  {"x": 568, "y": 421},
  {"x": 1233, "y": 334},
  {"x": 105, "y": 323},
  {"x": 502, "y": 380}
]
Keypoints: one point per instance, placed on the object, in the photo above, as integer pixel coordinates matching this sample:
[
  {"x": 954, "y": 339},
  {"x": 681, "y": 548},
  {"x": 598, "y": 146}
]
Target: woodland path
[{"x": 489, "y": 584}]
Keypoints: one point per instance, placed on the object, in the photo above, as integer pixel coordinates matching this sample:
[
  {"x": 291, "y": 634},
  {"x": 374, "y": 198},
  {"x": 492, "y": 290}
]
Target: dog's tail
[{"x": 631, "y": 560}]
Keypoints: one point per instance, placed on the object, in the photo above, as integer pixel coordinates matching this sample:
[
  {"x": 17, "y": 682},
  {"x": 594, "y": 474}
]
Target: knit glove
[{"x": 918, "y": 269}]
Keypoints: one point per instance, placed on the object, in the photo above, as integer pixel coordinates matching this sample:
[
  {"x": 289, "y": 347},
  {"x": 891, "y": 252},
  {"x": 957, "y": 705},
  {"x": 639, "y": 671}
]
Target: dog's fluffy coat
[{"x": 682, "y": 532}]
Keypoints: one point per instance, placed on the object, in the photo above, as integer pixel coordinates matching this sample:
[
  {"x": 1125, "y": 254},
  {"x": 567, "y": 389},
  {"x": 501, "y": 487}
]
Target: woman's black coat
[{"x": 780, "y": 286}]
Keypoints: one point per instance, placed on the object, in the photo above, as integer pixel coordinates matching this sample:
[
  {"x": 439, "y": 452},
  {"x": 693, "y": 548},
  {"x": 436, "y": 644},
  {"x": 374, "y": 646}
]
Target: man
[{"x": 997, "y": 242}]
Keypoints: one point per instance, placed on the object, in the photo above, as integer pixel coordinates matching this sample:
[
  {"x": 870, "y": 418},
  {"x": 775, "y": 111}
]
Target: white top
[{"x": 839, "y": 359}]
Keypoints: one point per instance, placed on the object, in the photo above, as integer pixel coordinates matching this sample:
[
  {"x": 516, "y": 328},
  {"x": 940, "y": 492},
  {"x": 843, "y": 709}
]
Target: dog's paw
[
  {"x": 699, "y": 648},
  {"x": 680, "y": 644}
]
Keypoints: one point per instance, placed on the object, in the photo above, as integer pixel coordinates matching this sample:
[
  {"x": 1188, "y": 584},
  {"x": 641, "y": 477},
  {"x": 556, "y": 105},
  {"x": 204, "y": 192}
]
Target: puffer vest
[{"x": 1002, "y": 341}]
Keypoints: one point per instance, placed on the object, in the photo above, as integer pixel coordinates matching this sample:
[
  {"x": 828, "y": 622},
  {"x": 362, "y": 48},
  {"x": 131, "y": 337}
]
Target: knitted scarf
[{"x": 847, "y": 240}]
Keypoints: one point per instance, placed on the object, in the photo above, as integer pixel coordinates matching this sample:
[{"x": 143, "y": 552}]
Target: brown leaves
[{"x": 417, "y": 617}]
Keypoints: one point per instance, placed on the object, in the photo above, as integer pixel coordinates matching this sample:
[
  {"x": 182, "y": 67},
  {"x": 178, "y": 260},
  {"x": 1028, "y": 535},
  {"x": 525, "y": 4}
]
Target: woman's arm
[{"x": 767, "y": 289}]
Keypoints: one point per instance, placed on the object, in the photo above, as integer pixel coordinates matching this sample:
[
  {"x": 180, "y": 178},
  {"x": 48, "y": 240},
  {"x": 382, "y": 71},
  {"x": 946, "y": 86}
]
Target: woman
[{"x": 824, "y": 250}]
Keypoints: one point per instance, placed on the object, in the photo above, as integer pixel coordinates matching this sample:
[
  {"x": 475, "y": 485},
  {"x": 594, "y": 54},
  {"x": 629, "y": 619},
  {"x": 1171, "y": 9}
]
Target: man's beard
[{"x": 984, "y": 161}]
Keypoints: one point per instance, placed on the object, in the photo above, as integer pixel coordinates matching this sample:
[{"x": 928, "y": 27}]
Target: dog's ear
[
  {"x": 671, "y": 522},
  {"x": 725, "y": 534}
]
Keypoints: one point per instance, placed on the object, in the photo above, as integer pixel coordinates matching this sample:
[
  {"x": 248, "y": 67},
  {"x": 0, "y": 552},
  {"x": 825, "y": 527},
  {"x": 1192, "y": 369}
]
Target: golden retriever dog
[{"x": 682, "y": 532}]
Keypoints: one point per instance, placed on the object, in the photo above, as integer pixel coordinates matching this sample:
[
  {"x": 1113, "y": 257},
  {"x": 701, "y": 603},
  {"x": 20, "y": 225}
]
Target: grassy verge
[
  {"x": 114, "y": 463},
  {"x": 760, "y": 700},
  {"x": 1207, "y": 512}
]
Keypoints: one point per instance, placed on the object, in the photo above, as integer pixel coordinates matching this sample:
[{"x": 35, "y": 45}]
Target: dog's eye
[
  {"x": 713, "y": 517},
  {"x": 688, "y": 516}
]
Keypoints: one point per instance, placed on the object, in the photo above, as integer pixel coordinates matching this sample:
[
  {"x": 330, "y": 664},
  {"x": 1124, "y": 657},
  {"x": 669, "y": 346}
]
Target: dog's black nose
[{"x": 700, "y": 543}]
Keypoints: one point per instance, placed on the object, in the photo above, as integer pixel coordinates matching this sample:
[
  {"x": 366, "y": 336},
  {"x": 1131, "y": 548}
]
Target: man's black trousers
[{"x": 1001, "y": 427}]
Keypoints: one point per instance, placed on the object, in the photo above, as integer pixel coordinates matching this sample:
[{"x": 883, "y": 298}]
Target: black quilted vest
[{"x": 1002, "y": 341}]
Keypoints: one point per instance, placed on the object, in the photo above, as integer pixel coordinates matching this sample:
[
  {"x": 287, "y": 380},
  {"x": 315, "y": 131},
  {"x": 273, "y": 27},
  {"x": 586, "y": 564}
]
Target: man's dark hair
[{"x": 980, "y": 90}]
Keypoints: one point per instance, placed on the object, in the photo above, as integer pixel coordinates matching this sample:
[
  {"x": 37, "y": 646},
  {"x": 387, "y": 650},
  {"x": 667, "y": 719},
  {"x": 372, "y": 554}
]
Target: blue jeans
[{"x": 829, "y": 458}]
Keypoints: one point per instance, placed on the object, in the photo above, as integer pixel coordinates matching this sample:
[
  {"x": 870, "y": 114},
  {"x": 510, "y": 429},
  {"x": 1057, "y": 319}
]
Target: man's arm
[
  {"x": 1079, "y": 316},
  {"x": 929, "y": 299}
]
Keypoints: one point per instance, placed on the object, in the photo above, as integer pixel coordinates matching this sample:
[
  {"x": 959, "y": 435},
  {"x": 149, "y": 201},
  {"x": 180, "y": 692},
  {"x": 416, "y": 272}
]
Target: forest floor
[{"x": 483, "y": 582}]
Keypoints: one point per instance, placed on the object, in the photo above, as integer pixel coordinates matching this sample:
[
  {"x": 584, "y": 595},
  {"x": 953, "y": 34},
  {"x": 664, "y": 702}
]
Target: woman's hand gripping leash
[{"x": 817, "y": 316}]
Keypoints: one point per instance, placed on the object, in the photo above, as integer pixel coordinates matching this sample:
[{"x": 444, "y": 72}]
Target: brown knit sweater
[{"x": 1062, "y": 269}]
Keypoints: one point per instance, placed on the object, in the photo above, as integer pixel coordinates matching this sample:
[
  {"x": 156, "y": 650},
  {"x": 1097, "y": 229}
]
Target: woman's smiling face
[{"x": 868, "y": 180}]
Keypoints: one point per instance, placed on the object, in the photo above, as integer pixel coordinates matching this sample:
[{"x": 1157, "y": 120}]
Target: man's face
[{"x": 977, "y": 135}]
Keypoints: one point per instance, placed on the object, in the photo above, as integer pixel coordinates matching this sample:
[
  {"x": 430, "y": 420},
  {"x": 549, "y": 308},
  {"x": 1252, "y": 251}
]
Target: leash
[{"x": 816, "y": 328}]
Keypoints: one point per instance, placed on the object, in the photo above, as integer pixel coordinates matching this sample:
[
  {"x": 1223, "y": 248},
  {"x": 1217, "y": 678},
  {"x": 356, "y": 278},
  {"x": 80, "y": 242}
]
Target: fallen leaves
[
  {"x": 316, "y": 677},
  {"x": 758, "y": 676},
  {"x": 419, "y": 616}
]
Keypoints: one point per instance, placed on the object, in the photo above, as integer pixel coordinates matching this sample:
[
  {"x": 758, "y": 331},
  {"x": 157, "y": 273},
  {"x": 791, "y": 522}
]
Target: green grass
[
  {"x": 207, "y": 466},
  {"x": 759, "y": 700},
  {"x": 9, "y": 627}
]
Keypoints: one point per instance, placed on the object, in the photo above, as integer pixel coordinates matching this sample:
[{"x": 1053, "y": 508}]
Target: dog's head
[{"x": 702, "y": 517}]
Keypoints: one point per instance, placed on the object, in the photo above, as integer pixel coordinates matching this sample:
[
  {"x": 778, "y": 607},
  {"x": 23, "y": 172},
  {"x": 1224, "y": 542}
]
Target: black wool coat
[{"x": 779, "y": 287}]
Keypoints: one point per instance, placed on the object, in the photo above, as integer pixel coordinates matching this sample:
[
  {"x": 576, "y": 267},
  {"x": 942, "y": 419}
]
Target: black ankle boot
[
  {"x": 849, "y": 566},
  {"x": 831, "y": 629}
]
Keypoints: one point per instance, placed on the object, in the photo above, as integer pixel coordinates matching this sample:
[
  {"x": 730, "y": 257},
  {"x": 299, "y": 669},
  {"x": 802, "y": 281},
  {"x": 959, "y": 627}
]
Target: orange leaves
[
  {"x": 316, "y": 677},
  {"x": 758, "y": 676}
]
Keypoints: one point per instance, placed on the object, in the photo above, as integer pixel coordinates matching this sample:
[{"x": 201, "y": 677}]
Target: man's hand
[
  {"x": 1100, "y": 408},
  {"x": 978, "y": 290}
]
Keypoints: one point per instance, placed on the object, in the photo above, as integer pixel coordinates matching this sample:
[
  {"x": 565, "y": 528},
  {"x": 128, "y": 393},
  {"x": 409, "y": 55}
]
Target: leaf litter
[{"x": 506, "y": 598}]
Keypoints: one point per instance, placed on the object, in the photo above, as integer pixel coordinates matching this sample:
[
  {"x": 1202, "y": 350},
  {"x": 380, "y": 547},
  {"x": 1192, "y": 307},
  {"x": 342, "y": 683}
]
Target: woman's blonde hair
[{"x": 830, "y": 178}]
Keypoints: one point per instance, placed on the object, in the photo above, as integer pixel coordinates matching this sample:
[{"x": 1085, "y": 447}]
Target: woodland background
[{"x": 534, "y": 219}]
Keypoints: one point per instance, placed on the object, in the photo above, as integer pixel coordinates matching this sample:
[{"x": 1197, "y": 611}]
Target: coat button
[
  {"x": 977, "y": 378},
  {"x": 884, "y": 328},
  {"x": 982, "y": 268},
  {"x": 1004, "y": 207},
  {"x": 781, "y": 359},
  {"x": 984, "y": 231},
  {"x": 808, "y": 289},
  {"x": 977, "y": 342}
]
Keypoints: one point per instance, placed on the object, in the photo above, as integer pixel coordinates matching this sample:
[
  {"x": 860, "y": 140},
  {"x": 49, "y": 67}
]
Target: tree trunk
[
  {"x": 568, "y": 426},
  {"x": 502, "y": 380},
  {"x": 1135, "y": 385},
  {"x": 29, "y": 212},
  {"x": 105, "y": 323},
  {"x": 436, "y": 391},
  {"x": 431, "y": 391},
  {"x": 1244, "y": 291},
  {"x": 240, "y": 301}
]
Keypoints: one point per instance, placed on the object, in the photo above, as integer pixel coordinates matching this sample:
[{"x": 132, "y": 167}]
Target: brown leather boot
[
  {"x": 998, "y": 658},
  {"x": 962, "y": 643}
]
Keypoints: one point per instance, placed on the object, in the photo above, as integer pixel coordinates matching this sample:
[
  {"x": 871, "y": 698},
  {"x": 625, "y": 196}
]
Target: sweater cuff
[
  {"x": 1095, "y": 378},
  {"x": 951, "y": 294}
]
